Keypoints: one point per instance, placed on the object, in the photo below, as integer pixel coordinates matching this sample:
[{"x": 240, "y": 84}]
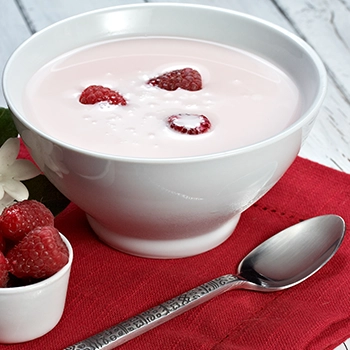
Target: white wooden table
[{"x": 324, "y": 24}]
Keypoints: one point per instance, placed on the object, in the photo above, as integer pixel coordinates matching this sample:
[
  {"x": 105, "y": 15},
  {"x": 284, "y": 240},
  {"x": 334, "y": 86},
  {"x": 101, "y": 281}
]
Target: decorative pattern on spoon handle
[{"x": 137, "y": 325}]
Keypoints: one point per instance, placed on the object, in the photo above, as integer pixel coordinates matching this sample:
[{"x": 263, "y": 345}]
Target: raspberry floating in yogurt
[
  {"x": 192, "y": 124},
  {"x": 97, "y": 93},
  {"x": 186, "y": 79}
]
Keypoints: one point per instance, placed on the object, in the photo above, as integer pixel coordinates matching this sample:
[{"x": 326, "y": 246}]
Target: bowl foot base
[{"x": 164, "y": 249}]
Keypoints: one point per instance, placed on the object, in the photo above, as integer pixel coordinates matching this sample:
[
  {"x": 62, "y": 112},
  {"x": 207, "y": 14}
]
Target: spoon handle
[{"x": 137, "y": 325}]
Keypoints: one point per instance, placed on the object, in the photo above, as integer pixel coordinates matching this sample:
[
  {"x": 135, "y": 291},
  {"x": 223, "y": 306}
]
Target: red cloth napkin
[{"x": 107, "y": 286}]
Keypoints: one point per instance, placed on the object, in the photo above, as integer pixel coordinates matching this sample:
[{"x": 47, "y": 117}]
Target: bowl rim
[{"x": 304, "y": 118}]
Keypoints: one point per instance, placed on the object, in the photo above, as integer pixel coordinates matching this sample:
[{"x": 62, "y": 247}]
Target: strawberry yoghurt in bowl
[{"x": 160, "y": 128}]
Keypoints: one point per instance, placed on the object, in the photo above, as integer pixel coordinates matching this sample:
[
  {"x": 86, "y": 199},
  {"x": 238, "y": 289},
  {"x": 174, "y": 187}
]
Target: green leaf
[
  {"x": 42, "y": 190},
  {"x": 7, "y": 126}
]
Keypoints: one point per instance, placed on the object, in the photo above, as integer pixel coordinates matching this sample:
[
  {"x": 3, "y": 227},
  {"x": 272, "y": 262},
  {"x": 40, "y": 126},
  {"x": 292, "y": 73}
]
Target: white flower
[
  {"x": 12, "y": 172},
  {"x": 5, "y": 202}
]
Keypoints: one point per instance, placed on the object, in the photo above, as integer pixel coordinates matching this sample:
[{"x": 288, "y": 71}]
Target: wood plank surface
[{"x": 14, "y": 31}]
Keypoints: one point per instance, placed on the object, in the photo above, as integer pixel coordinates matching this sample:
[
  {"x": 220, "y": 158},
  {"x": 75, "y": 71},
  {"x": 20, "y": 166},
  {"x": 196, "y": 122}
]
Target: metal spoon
[{"x": 282, "y": 261}]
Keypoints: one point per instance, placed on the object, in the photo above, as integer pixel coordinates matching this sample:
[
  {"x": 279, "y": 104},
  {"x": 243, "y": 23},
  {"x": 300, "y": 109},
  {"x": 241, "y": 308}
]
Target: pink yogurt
[{"x": 246, "y": 98}]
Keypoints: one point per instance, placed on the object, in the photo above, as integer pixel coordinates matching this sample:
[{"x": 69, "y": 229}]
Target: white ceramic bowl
[
  {"x": 130, "y": 203},
  {"x": 28, "y": 312}
]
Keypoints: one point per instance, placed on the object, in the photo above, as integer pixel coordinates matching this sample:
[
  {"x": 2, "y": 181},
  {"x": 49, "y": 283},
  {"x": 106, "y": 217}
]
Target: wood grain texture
[{"x": 13, "y": 31}]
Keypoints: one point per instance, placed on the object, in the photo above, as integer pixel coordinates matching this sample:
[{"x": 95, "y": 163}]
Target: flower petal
[
  {"x": 23, "y": 169},
  {"x": 16, "y": 189},
  {"x": 8, "y": 153},
  {"x": 5, "y": 202}
]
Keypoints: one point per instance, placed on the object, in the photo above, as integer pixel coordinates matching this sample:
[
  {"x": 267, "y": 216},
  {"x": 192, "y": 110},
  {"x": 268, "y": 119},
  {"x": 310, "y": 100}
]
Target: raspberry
[
  {"x": 4, "y": 271},
  {"x": 2, "y": 244},
  {"x": 192, "y": 124},
  {"x": 20, "y": 218},
  {"x": 40, "y": 254},
  {"x": 186, "y": 78},
  {"x": 98, "y": 93}
]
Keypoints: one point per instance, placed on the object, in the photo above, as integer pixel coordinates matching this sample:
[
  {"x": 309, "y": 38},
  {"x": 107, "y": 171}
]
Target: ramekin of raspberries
[{"x": 35, "y": 263}]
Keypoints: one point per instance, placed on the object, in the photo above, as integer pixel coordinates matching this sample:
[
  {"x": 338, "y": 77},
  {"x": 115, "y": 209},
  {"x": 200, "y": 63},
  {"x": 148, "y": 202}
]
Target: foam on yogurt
[{"x": 246, "y": 98}]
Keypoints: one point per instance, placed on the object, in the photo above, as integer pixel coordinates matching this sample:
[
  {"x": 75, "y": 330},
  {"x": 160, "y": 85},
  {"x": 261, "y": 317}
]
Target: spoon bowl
[
  {"x": 280, "y": 262},
  {"x": 293, "y": 254}
]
